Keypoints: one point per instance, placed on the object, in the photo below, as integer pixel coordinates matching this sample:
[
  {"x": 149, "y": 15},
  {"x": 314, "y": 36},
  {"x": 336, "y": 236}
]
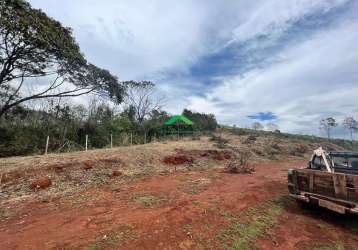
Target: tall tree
[
  {"x": 142, "y": 98},
  {"x": 201, "y": 121},
  {"x": 351, "y": 125},
  {"x": 33, "y": 45},
  {"x": 327, "y": 124},
  {"x": 257, "y": 126},
  {"x": 271, "y": 126}
]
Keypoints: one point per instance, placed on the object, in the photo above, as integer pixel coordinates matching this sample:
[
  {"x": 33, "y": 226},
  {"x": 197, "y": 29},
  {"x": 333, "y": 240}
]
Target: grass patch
[
  {"x": 114, "y": 238},
  {"x": 337, "y": 246},
  {"x": 197, "y": 186},
  {"x": 147, "y": 200},
  {"x": 6, "y": 213},
  {"x": 196, "y": 202},
  {"x": 248, "y": 226}
]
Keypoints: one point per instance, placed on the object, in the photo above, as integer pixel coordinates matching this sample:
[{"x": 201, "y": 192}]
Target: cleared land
[{"x": 165, "y": 195}]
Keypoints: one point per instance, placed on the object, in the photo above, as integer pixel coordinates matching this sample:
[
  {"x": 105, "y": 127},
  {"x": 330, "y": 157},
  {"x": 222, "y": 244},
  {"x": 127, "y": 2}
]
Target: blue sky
[{"x": 292, "y": 61}]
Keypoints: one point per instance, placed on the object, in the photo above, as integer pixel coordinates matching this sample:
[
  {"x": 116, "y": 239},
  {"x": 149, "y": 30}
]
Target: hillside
[{"x": 169, "y": 194}]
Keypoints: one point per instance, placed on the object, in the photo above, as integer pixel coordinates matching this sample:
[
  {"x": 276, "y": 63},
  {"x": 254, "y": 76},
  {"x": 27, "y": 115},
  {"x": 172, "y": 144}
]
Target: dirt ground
[{"x": 168, "y": 195}]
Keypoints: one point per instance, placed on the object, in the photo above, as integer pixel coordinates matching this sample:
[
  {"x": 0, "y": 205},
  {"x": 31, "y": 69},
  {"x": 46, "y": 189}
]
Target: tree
[
  {"x": 32, "y": 45},
  {"x": 257, "y": 126},
  {"x": 141, "y": 97},
  {"x": 271, "y": 126},
  {"x": 327, "y": 124},
  {"x": 201, "y": 121},
  {"x": 351, "y": 125}
]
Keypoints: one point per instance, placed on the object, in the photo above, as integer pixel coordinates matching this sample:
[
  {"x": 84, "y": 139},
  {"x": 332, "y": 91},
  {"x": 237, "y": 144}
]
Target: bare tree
[
  {"x": 351, "y": 125},
  {"x": 327, "y": 124},
  {"x": 142, "y": 97},
  {"x": 257, "y": 126},
  {"x": 271, "y": 126}
]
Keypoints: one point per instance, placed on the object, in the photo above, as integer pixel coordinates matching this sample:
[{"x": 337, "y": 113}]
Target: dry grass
[{"x": 68, "y": 175}]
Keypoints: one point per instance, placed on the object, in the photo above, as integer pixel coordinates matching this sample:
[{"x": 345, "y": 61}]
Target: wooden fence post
[
  {"x": 131, "y": 138},
  {"x": 111, "y": 141},
  {"x": 145, "y": 137},
  {"x": 47, "y": 142},
  {"x": 86, "y": 141}
]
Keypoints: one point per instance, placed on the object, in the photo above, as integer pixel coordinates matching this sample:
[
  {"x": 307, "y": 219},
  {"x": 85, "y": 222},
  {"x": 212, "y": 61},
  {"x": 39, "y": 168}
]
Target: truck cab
[{"x": 342, "y": 162}]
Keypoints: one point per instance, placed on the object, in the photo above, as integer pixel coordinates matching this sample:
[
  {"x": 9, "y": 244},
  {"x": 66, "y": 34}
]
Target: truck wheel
[{"x": 303, "y": 204}]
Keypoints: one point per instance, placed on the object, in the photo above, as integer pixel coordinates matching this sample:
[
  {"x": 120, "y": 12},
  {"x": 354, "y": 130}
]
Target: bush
[
  {"x": 220, "y": 142},
  {"x": 240, "y": 164},
  {"x": 250, "y": 139}
]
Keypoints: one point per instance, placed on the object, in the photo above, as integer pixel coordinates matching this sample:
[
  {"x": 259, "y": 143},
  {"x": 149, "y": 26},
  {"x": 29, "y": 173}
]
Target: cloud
[
  {"x": 314, "y": 79},
  {"x": 274, "y": 18},
  {"x": 236, "y": 59}
]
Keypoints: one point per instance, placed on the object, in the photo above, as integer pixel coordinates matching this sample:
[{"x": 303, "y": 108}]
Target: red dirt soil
[
  {"x": 181, "y": 220},
  {"x": 41, "y": 183},
  {"x": 188, "y": 156},
  {"x": 177, "y": 159}
]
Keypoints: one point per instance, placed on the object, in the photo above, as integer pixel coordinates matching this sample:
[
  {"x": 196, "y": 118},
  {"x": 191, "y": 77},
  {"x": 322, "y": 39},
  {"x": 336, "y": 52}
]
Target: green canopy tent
[{"x": 180, "y": 120}]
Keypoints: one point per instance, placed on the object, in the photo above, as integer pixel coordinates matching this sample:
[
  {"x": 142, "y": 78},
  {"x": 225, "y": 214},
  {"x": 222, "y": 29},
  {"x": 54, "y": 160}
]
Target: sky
[{"x": 291, "y": 62}]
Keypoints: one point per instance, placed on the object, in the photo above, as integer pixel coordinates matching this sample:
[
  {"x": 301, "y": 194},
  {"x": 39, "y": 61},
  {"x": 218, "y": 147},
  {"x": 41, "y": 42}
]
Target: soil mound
[
  {"x": 41, "y": 183},
  {"x": 178, "y": 159}
]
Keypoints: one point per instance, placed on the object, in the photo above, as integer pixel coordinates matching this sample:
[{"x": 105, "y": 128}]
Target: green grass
[
  {"x": 147, "y": 200},
  {"x": 196, "y": 202},
  {"x": 197, "y": 186},
  {"x": 113, "y": 238},
  {"x": 248, "y": 226}
]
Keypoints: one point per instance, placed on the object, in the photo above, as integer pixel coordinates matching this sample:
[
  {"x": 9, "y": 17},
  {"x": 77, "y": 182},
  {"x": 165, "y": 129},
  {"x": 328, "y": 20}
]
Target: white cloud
[
  {"x": 137, "y": 39},
  {"x": 310, "y": 78},
  {"x": 314, "y": 79},
  {"x": 272, "y": 18}
]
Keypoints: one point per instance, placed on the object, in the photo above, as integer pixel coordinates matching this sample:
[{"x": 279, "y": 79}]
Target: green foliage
[
  {"x": 147, "y": 200},
  {"x": 33, "y": 42},
  {"x": 202, "y": 122},
  {"x": 33, "y": 45}
]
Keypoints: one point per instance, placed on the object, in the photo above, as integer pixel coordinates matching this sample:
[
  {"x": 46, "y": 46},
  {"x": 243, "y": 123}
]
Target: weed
[
  {"x": 241, "y": 234},
  {"x": 208, "y": 226},
  {"x": 337, "y": 246},
  {"x": 228, "y": 215},
  {"x": 187, "y": 228},
  {"x": 147, "y": 200},
  {"x": 114, "y": 238},
  {"x": 240, "y": 164},
  {"x": 197, "y": 186},
  {"x": 220, "y": 142},
  {"x": 196, "y": 202}
]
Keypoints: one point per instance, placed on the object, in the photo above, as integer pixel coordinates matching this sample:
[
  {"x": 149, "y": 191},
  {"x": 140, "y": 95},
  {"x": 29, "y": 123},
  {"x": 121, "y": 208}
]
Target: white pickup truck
[{"x": 330, "y": 180}]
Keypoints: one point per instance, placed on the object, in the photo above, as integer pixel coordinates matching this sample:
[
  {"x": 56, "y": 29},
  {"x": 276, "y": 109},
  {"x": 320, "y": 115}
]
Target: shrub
[
  {"x": 220, "y": 142},
  {"x": 250, "y": 139},
  {"x": 240, "y": 164}
]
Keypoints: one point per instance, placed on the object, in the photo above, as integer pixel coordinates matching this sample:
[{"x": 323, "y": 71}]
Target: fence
[{"x": 121, "y": 139}]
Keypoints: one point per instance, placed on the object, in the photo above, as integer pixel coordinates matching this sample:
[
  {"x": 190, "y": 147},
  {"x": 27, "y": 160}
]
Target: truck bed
[{"x": 335, "y": 191}]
